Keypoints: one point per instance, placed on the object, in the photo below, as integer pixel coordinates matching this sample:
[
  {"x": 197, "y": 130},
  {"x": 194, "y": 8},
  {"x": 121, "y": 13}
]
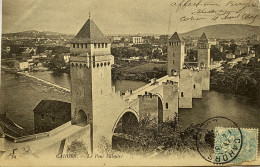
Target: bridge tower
[
  {"x": 90, "y": 69},
  {"x": 175, "y": 55},
  {"x": 176, "y": 67},
  {"x": 204, "y": 60}
]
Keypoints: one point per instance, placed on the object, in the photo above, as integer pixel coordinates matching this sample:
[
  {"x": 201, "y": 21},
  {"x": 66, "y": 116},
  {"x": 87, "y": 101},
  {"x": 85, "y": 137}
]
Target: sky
[{"x": 120, "y": 16}]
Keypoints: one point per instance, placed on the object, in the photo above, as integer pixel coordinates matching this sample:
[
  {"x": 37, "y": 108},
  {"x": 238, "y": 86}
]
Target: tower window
[
  {"x": 73, "y": 45},
  {"x": 173, "y": 62},
  {"x": 194, "y": 86},
  {"x": 106, "y": 45},
  {"x": 97, "y": 64},
  {"x": 166, "y": 106},
  {"x": 181, "y": 94},
  {"x": 82, "y": 45},
  {"x": 86, "y": 45},
  {"x": 94, "y": 58},
  {"x": 77, "y": 45},
  {"x": 102, "y": 45},
  {"x": 95, "y": 45},
  {"x": 99, "y": 45}
]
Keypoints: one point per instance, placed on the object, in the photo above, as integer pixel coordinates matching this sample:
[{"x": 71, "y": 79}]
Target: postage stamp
[
  {"x": 219, "y": 145},
  {"x": 227, "y": 144}
]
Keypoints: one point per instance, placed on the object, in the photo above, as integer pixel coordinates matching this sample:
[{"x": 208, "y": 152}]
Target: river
[{"x": 19, "y": 96}]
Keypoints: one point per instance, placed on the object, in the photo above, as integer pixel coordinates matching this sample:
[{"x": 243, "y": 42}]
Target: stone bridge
[{"x": 95, "y": 103}]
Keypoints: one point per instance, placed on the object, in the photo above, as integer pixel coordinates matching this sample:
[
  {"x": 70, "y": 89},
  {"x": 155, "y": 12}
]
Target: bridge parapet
[{"x": 170, "y": 82}]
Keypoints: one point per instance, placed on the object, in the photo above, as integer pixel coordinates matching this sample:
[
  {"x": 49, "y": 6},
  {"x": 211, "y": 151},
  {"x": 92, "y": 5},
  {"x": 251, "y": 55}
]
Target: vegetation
[
  {"x": 139, "y": 71},
  {"x": 240, "y": 79},
  {"x": 216, "y": 54},
  {"x": 78, "y": 148},
  {"x": 167, "y": 138},
  {"x": 58, "y": 65}
]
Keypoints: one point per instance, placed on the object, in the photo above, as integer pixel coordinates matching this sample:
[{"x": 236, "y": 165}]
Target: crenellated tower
[
  {"x": 90, "y": 68},
  {"x": 203, "y": 52},
  {"x": 204, "y": 60},
  {"x": 175, "y": 55}
]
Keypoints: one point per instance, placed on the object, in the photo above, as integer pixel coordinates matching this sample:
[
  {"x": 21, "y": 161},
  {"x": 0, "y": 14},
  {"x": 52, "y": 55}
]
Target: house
[
  {"x": 137, "y": 40},
  {"x": 230, "y": 56},
  {"x": 49, "y": 114},
  {"x": 21, "y": 65},
  {"x": 242, "y": 50},
  {"x": 66, "y": 57}
]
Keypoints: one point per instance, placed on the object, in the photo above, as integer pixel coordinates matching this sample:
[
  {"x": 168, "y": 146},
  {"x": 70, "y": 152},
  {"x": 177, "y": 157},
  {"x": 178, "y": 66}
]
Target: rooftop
[
  {"x": 90, "y": 33},
  {"x": 203, "y": 38},
  {"x": 176, "y": 38}
]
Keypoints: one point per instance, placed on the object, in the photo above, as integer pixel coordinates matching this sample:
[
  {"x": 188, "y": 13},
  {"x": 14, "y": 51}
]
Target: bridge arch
[
  {"x": 160, "y": 107},
  {"x": 128, "y": 116}
]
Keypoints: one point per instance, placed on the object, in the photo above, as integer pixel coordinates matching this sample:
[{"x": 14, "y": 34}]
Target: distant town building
[
  {"x": 27, "y": 51},
  {"x": 66, "y": 57},
  {"x": 230, "y": 56},
  {"x": 242, "y": 50},
  {"x": 137, "y": 40},
  {"x": 21, "y": 66},
  {"x": 117, "y": 38},
  {"x": 49, "y": 114}
]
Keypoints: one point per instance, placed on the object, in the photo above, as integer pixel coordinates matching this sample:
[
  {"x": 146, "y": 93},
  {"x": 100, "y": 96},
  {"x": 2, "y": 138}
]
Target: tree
[
  {"x": 192, "y": 55},
  {"x": 57, "y": 63},
  {"x": 216, "y": 54}
]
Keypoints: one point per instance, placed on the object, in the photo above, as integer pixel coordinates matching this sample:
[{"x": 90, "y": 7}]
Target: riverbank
[
  {"x": 139, "y": 71},
  {"x": 241, "y": 79}
]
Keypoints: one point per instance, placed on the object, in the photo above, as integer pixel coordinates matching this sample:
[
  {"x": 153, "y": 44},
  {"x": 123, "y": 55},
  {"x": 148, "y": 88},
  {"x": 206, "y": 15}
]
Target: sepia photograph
[{"x": 130, "y": 83}]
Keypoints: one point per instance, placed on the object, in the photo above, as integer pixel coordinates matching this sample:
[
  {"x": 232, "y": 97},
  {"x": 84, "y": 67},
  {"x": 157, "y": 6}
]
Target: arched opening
[
  {"x": 127, "y": 124},
  {"x": 160, "y": 110},
  {"x": 125, "y": 128},
  {"x": 82, "y": 118}
]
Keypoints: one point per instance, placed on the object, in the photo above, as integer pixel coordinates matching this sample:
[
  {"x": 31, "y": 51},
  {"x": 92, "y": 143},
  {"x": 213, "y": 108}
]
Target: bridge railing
[
  {"x": 40, "y": 135},
  {"x": 29, "y": 137}
]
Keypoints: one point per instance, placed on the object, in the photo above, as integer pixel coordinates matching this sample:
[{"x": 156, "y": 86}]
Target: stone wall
[
  {"x": 170, "y": 100},
  {"x": 148, "y": 106},
  {"x": 185, "y": 89},
  {"x": 47, "y": 123},
  {"x": 205, "y": 78},
  {"x": 197, "y": 84}
]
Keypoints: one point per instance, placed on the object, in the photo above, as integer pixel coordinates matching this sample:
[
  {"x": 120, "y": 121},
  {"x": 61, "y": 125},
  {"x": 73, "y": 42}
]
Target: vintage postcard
[{"x": 130, "y": 83}]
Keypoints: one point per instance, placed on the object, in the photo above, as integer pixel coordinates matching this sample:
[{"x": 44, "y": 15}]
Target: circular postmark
[{"x": 219, "y": 140}]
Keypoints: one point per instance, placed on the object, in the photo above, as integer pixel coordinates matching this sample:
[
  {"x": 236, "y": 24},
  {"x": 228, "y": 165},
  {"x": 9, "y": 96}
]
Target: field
[{"x": 148, "y": 67}]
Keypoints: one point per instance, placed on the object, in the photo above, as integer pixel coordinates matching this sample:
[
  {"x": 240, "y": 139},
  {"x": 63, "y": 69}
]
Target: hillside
[
  {"x": 225, "y": 31},
  {"x": 36, "y": 34}
]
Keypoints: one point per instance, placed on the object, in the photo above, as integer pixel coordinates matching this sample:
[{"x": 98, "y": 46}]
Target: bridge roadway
[
  {"x": 46, "y": 141},
  {"x": 151, "y": 88}
]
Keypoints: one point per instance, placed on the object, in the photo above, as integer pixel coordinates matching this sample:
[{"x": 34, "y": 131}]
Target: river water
[{"x": 19, "y": 96}]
